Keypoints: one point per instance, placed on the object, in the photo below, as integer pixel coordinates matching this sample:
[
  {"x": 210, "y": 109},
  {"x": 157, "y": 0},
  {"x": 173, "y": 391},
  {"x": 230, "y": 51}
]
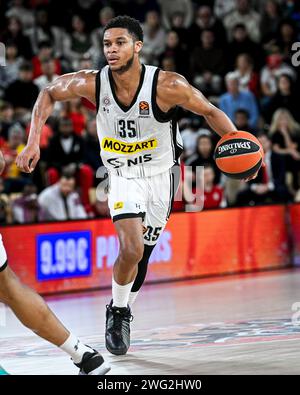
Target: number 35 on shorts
[{"x": 152, "y": 234}]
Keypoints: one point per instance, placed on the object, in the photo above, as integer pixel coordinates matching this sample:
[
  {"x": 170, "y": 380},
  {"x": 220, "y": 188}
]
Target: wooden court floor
[{"x": 232, "y": 325}]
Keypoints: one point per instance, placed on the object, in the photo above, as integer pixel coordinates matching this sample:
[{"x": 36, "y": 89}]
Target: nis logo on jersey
[{"x": 113, "y": 145}]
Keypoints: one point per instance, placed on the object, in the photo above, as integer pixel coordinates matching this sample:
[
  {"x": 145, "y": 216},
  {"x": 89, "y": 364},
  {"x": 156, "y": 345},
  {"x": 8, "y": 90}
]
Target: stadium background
[{"x": 237, "y": 52}]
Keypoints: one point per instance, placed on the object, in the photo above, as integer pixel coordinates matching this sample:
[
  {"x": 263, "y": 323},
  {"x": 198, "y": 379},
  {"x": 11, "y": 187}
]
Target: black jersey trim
[
  {"x": 112, "y": 87},
  {"x": 160, "y": 115},
  {"x": 98, "y": 90},
  {"x": 128, "y": 215},
  {"x": 177, "y": 148},
  {"x": 175, "y": 176},
  {"x": 171, "y": 196},
  {"x": 4, "y": 266}
]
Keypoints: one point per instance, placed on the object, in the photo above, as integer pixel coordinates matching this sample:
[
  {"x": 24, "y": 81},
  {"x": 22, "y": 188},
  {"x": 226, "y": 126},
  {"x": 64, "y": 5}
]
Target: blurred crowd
[{"x": 237, "y": 52}]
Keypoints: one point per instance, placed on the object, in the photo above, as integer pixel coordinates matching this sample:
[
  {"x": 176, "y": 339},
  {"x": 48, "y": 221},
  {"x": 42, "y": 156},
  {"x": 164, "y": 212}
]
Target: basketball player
[
  {"x": 34, "y": 313},
  {"x": 140, "y": 145}
]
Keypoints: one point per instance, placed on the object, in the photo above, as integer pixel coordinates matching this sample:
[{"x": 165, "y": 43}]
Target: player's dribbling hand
[{"x": 28, "y": 158}]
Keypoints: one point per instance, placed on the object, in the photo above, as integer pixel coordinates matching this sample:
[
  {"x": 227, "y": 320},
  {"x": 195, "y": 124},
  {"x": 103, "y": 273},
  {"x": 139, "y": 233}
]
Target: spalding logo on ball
[{"x": 239, "y": 154}]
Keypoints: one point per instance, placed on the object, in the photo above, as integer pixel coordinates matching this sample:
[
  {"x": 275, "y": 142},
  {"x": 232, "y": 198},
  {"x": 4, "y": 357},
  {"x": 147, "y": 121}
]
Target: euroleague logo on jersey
[{"x": 144, "y": 108}]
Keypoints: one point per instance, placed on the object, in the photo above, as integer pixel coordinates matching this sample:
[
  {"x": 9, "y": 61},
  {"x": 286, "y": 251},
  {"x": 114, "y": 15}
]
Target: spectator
[
  {"x": 248, "y": 78},
  {"x": 26, "y": 209},
  {"x": 168, "y": 64},
  {"x": 271, "y": 72},
  {"x": 234, "y": 100},
  {"x": 285, "y": 97},
  {"x": 23, "y": 92},
  {"x": 91, "y": 146},
  {"x": 10, "y": 72},
  {"x": 6, "y": 119},
  {"x": 241, "y": 121},
  {"x": 105, "y": 15},
  {"x": 247, "y": 16},
  {"x": 139, "y": 8},
  {"x": 240, "y": 44},
  {"x": 48, "y": 67},
  {"x": 75, "y": 111},
  {"x": 17, "y": 10},
  {"x": 66, "y": 150},
  {"x": 285, "y": 135},
  {"x": 14, "y": 180},
  {"x": 208, "y": 64},
  {"x": 190, "y": 136},
  {"x": 45, "y": 52},
  {"x": 269, "y": 185},
  {"x": 177, "y": 25},
  {"x": 14, "y": 32},
  {"x": 269, "y": 23},
  {"x": 223, "y": 7},
  {"x": 60, "y": 202},
  {"x": 175, "y": 51},
  {"x": 204, "y": 155},
  {"x": 168, "y": 8},
  {"x": 43, "y": 31},
  {"x": 86, "y": 63},
  {"x": 287, "y": 35},
  {"x": 205, "y": 20},
  {"x": 78, "y": 43},
  {"x": 154, "y": 38}
]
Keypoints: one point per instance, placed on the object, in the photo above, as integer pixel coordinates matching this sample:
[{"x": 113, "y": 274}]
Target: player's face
[{"x": 120, "y": 49}]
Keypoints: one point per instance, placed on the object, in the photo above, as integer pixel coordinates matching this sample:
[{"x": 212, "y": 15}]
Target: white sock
[
  {"x": 132, "y": 297},
  {"x": 75, "y": 348},
  {"x": 120, "y": 294}
]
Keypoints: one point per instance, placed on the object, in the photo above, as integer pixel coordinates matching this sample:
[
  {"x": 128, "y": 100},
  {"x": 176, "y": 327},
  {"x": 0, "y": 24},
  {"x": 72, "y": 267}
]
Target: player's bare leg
[
  {"x": 34, "y": 313},
  {"x": 118, "y": 314},
  {"x": 31, "y": 309}
]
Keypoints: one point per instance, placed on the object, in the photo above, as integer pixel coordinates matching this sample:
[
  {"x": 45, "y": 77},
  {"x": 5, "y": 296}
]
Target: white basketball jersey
[{"x": 139, "y": 140}]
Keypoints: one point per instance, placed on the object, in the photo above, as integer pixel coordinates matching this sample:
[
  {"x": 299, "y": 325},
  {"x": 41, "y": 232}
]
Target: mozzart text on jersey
[{"x": 113, "y": 145}]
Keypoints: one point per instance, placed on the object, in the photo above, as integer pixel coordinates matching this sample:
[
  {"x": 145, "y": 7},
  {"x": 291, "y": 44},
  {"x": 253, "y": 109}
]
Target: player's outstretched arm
[
  {"x": 174, "y": 90},
  {"x": 66, "y": 87}
]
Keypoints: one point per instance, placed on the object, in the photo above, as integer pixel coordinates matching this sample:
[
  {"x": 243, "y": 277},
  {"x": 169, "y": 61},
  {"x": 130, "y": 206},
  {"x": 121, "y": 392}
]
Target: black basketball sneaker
[
  {"x": 92, "y": 364},
  {"x": 117, "y": 334}
]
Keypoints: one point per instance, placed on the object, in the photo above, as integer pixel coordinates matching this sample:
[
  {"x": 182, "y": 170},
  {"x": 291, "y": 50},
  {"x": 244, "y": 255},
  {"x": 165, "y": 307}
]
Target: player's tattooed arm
[
  {"x": 174, "y": 90},
  {"x": 66, "y": 87}
]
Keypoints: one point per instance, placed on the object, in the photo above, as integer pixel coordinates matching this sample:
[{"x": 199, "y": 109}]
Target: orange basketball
[{"x": 238, "y": 154}]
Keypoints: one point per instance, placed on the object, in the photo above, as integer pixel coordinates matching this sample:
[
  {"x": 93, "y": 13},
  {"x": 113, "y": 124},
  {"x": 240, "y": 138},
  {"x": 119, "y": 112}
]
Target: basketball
[{"x": 238, "y": 154}]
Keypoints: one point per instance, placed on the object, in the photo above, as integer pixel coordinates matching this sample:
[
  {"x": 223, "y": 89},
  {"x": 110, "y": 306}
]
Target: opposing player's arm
[
  {"x": 174, "y": 90},
  {"x": 66, "y": 87}
]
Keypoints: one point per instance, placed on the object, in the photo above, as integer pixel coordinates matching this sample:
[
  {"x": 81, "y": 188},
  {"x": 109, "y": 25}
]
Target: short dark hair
[
  {"x": 126, "y": 22},
  {"x": 26, "y": 66},
  {"x": 263, "y": 133},
  {"x": 239, "y": 26},
  {"x": 67, "y": 174},
  {"x": 243, "y": 112}
]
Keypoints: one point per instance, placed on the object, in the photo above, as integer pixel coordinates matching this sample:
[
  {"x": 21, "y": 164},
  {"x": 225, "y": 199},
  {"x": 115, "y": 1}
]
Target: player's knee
[{"x": 131, "y": 253}]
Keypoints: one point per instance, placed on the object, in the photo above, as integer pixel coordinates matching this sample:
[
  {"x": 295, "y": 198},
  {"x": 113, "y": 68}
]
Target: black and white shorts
[{"x": 150, "y": 198}]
